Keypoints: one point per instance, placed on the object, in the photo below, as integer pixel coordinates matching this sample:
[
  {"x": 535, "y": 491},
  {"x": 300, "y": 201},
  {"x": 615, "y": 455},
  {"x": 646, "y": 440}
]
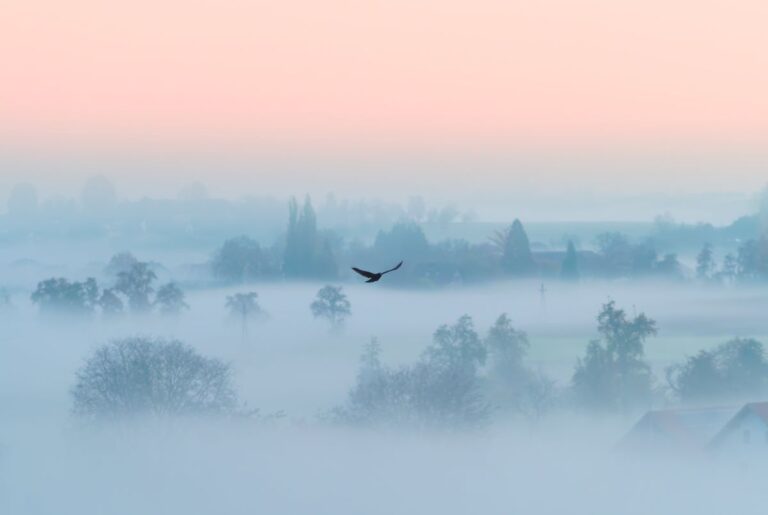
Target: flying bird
[{"x": 372, "y": 278}]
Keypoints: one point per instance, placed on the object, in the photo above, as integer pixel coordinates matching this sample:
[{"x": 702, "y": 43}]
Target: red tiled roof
[{"x": 760, "y": 409}]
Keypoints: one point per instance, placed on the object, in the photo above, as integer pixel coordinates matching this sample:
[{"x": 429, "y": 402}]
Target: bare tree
[{"x": 151, "y": 376}]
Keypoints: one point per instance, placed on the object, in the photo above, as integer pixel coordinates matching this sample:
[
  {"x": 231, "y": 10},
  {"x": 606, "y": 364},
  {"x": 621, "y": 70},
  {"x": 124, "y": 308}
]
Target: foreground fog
[
  {"x": 290, "y": 362},
  {"x": 197, "y": 468},
  {"x": 50, "y": 461}
]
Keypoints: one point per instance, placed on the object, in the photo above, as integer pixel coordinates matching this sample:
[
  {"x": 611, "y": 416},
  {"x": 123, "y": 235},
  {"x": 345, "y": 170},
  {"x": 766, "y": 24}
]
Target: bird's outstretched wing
[
  {"x": 369, "y": 275},
  {"x": 393, "y": 269}
]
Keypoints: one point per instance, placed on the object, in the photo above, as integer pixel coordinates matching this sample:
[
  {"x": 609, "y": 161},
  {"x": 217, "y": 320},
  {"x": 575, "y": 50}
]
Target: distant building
[
  {"x": 687, "y": 430},
  {"x": 746, "y": 433}
]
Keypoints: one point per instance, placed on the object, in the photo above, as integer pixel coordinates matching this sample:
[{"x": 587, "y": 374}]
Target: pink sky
[{"x": 384, "y": 73}]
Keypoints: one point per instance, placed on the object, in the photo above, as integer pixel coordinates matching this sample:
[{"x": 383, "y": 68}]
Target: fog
[
  {"x": 245, "y": 470},
  {"x": 296, "y": 464},
  {"x": 632, "y": 183},
  {"x": 391, "y": 257},
  {"x": 296, "y": 441}
]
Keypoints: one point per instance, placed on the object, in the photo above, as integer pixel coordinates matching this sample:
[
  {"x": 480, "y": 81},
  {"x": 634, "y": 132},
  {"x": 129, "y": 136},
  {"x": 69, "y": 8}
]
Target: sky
[{"x": 583, "y": 92}]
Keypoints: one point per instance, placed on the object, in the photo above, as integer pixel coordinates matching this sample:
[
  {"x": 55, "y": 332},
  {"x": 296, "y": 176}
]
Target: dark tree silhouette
[
  {"x": 403, "y": 239},
  {"x": 752, "y": 261},
  {"x": 440, "y": 391},
  {"x": 58, "y": 295},
  {"x": 730, "y": 269},
  {"x": 613, "y": 374},
  {"x": 240, "y": 260},
  {"x": 332, "y": 304},
  {"x": 617, "y": 252},
  {"x": 705, "y": 263},
  {"x": 120, "y": 262},
  {"x": 510, "y": 383},
  {"x": 734, "y": 371},
  {"x": 669, "y": 267},
  {"x": 136, "y": 284},
  {"x": 245, "y": 307},
  {"x": 570, "y": 267},
  {"x": 516, "y": 257},
  {"x": 508, "y": 348},
  {"x": 697, "y": 380},
  {"x": 457, "y": 347},
  {"x": 307, "y": 253},
  {"x": 170, "y": 299},
  {"x": 110, "y": 303},
  {"x": 644, "y": 260}
]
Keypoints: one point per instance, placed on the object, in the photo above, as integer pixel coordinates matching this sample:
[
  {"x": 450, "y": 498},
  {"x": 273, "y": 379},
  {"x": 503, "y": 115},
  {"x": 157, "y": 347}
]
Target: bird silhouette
[{"x": 372, "y": 277}]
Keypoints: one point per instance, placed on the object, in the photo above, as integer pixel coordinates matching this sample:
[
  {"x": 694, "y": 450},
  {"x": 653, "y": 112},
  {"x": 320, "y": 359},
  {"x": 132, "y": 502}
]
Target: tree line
[
  {"x": 306, "y": 252},
  {"x": 748, "y": 264},
  {"x": 132, "y": 288},
  {"x": 309, "y": 253},
  {"x": 463, "y": 378}
]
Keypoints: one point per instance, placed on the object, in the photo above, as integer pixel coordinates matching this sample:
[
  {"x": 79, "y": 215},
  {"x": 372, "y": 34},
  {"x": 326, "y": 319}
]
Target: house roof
[
  {"x": 686, "y": 428},
  {"x": 760, "y": 409}
]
